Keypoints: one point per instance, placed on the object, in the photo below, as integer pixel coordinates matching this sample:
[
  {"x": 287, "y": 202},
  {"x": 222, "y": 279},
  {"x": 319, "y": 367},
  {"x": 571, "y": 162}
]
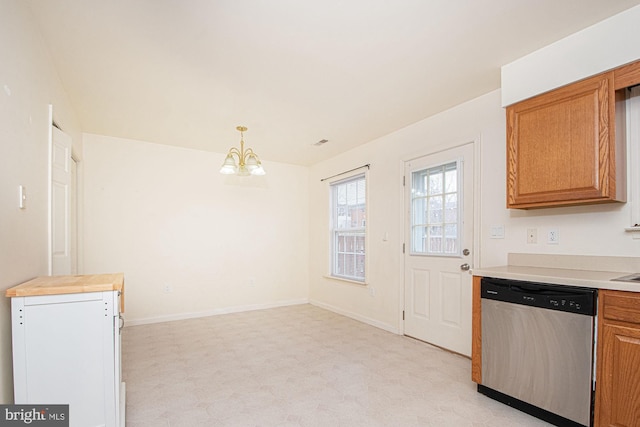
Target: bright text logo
[{"x": 34, "y": 415}]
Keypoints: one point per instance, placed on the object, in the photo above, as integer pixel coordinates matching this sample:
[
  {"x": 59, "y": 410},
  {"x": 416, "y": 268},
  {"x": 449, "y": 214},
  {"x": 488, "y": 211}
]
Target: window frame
[{"x": 360, "y": 230}]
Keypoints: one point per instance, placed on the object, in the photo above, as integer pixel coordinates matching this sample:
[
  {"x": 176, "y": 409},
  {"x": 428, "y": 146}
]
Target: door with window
[{"x": 438, "y": 244}]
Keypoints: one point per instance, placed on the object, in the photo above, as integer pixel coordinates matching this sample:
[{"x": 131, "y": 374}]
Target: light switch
[{"x": 22, "y": 194}]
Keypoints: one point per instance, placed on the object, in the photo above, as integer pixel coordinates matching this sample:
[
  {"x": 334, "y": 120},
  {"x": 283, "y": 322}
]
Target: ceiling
[{"x": 187, "y": 72}]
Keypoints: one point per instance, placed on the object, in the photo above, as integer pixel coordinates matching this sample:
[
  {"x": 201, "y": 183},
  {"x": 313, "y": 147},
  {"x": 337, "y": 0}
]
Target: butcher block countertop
[{"x": 55, "y": 285}]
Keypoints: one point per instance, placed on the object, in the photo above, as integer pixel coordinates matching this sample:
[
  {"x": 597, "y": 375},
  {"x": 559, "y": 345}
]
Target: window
[
  {"x": 435, "y": 210},
  {"x": 348, "y": 219}
]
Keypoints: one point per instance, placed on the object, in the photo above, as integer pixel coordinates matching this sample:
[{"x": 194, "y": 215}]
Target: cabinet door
[
  {"x": 561, "y": 146},
  {"x": 63, "y": 353},
  {"x": 619, "y": 383}
]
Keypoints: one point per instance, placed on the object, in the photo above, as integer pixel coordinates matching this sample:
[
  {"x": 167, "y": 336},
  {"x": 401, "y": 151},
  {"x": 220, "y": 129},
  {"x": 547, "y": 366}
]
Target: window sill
[{"x": 342, "y": 279}]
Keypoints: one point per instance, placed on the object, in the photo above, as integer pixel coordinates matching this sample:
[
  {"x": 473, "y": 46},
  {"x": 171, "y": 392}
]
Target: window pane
[
  {"x": 451, "y": 180},
  {"x": 418, "y": 184},
  {"x": 348, "y": 265},
  {"x": 340, "y": 266},
  {"x": 435, "y": 230},
  {"x": 419, "y": 235},
  {"x": 341, "y": 198},
  {"x": 419, "y": 211},
  {"x": 435, "y": 212},
  {"x": 360, "y": 265},
  {"x": 435, "y": 183},
  {"x": 351, "y": 193},
  {"x": 357, "y": 217},
  {"x": 451, "y": 238},
  {"x": 361, "y": 192},
  {"x": 451, "y": 208},
  {"x": 349, "y": 240},
  {"x": 435, "y": 239}
]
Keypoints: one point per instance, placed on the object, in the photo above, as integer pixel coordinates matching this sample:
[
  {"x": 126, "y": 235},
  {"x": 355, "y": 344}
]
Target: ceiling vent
[{"x": 319, "y": 143}]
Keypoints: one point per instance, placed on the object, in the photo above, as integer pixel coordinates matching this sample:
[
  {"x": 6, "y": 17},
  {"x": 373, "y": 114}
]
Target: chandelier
[{"x": 248, "y": 161}]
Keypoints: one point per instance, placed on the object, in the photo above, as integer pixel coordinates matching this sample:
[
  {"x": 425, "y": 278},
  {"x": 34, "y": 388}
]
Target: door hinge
[
  {"x": 402, "y": 314},
  {"x": 403, "y": 248},
  {"x": 403, "y": 179}
]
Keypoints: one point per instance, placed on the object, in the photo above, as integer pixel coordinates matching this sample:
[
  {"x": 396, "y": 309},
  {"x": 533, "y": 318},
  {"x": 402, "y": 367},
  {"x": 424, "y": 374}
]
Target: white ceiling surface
[{"x": 187, "y": 72}]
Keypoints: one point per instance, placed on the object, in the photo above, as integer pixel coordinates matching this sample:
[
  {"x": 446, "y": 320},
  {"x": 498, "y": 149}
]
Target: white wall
[
  {"x": 598, "y": 48},
  {"x": 165, "y": 216},
  {"x": 584, "y": 230},
  {"x": 480, "y": 119},
  {"x": 28, "y": 84}
]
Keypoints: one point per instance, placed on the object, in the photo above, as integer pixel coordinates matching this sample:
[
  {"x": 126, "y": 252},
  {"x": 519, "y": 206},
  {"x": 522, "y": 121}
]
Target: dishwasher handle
[
  {"x": 526, "y": 289},
  {"x": 548, "y": 296},
  {"x": 537, "y": 290}
]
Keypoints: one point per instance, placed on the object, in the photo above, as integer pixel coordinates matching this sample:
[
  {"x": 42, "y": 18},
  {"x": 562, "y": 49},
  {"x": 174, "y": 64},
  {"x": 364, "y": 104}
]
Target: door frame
[
  {"x": 75, "y": 216},
  {"x": 476, "y": 142}
]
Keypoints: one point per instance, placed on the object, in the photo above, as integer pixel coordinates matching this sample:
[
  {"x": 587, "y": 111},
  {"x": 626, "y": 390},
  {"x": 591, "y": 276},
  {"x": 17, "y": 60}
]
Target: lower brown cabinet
[{"x": 618, "y": 360}]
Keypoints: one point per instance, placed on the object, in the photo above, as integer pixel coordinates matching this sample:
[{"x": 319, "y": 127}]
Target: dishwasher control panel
[{"x": 572, "y": 299}]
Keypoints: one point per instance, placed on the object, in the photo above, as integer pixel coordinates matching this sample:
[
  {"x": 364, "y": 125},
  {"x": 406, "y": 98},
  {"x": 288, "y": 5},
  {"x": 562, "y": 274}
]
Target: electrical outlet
[
  {"x": 167, "y": 288},
  {"x": 251, "y": 282},
  {"x": 496, "y": 232},
  {"x": 553, "y": 236},
  {"x": 532, "y": 235}
]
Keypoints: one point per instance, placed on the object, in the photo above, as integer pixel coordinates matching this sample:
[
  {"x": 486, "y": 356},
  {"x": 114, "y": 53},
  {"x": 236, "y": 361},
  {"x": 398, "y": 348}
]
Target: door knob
[{"x": 465, "y": 267}]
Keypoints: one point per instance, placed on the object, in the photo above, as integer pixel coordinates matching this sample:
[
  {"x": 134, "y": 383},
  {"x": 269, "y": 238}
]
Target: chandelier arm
[
  {"x": 250, "y": 152},
  {"x": 234, "y": 150}
]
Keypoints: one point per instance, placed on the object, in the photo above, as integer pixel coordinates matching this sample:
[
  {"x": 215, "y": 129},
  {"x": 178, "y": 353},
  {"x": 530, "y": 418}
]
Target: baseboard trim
[
  {"x": 355, "y": 316},
  {"x": 215, "y": 312}
]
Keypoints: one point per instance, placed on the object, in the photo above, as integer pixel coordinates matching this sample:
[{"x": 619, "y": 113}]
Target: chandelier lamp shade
[{"x": 242, "y": 162}]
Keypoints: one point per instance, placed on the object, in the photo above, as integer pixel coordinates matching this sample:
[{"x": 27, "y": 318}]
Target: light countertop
[
  {"x": 55, "y": 285},
  {"x": 590, "y": 272}
]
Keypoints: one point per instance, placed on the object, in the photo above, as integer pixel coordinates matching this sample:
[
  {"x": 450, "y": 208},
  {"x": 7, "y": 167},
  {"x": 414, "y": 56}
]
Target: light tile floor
[{"x": 298, "y": 366}]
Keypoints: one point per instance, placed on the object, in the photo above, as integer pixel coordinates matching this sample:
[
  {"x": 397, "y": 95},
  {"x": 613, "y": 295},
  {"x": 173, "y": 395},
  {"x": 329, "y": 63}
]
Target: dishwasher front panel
[{"x": 539, "y": 356}]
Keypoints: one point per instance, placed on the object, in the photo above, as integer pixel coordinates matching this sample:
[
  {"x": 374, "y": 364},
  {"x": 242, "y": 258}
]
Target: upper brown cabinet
[{"x": 561, "y": 147}]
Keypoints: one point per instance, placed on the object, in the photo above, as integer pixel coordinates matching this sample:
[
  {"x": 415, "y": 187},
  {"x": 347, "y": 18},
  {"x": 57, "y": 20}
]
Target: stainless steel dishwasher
[{"x": 537, "y": 348}]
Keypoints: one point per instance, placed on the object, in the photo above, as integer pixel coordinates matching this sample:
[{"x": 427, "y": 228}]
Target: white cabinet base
[{"x": 66, "y": 350}]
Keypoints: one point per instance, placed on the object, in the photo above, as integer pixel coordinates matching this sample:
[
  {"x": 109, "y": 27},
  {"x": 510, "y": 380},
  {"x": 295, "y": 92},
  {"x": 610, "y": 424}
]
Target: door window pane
[{"x": 435, "y": 212}]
